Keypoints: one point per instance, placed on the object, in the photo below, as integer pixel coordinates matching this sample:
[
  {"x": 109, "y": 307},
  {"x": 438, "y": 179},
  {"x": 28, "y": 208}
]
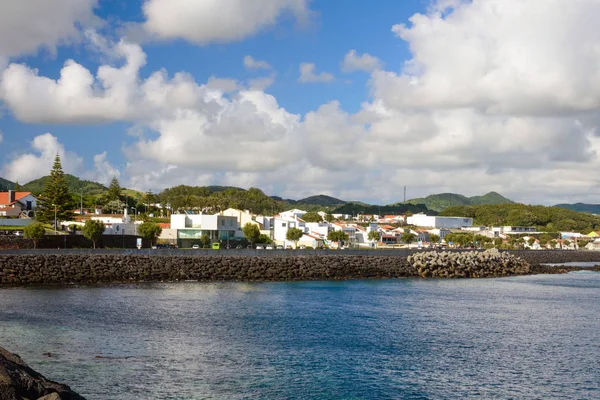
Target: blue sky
[{"x": 447, "y": 122}]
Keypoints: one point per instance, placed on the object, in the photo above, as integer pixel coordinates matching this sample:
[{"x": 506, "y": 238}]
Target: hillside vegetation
[
  {"x": 551, "y": 219},
  {"x": 439, "y": 202},
  {"x": 75, "y": 185},
  {"x": 215, "y": 199},
  {"x": 6, "y": 185},
  {"x": 581, "y": 207},
  {"x": 393, "y": 209}
]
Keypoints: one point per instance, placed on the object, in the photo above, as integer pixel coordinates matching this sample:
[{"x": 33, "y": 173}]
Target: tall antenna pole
[{"x": 405, "y": 194}]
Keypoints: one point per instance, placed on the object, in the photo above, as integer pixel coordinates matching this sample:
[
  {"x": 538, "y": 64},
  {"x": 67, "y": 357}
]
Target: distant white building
[
  {"x": 514, "y": 229},
  {"x": 292, "y": 214},
  {"x": 428, "y": 221}
]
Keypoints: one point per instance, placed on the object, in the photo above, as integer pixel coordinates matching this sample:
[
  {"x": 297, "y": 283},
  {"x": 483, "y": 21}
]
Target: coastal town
[{"x": 296, "y": 229}]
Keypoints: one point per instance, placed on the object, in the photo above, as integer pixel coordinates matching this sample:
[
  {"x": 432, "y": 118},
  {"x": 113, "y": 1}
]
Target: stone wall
[{"x": 115, "y": 266}]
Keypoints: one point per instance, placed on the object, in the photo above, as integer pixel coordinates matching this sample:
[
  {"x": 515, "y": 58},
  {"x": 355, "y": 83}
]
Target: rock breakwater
[
  {"x": 56, "y": 269},
  {"x": 486, "y": 264},
  {"x": 19, "y": 382}
]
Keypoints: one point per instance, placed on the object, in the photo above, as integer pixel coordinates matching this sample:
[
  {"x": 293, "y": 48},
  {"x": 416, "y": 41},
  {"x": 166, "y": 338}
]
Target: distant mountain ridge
[
  {"x": 5, "y": 185},
  {"x": 431, "y": 204},
  {"x": 441, "y": 201},
  {"x": 581, "y": 207}
]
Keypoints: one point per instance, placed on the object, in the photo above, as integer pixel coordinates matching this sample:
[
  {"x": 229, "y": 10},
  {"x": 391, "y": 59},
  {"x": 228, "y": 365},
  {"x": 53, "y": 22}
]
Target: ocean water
[{"x": 533, "y": 337}]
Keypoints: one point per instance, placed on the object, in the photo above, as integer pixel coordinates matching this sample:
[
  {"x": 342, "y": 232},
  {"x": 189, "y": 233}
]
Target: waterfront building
[
  {"x": 191, "y": 227},
  {"x": 429, "y": 221}
]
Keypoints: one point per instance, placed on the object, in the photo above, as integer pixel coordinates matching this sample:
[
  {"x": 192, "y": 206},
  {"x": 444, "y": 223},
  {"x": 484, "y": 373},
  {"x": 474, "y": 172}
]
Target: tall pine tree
[
  {"x": 114, "y": 190},
  {"x": 55, "y": 197}
]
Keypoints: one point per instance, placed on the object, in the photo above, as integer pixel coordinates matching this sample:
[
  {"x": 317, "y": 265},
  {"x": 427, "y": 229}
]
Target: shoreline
[{"x": 56, "y": 268}]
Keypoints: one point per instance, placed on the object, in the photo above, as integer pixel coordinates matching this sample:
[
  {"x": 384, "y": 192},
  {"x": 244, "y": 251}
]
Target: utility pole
[
  {"x": 405, "y": 194},
  {"x": 81, "y": 204}
]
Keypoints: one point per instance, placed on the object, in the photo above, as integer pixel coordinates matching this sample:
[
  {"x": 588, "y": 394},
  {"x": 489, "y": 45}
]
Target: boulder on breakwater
[
  {"x": 19, "y": 382},
  {"x": 487, "y": 264}
]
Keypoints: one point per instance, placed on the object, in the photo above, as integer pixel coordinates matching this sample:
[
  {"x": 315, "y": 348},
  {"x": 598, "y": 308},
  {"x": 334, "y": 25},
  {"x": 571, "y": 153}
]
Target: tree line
[{"x": 547, "y": 219}]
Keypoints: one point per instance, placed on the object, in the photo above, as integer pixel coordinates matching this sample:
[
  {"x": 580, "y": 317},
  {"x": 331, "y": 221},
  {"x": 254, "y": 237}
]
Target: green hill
[
  {"x": 551, "y": 219},
  {"x": 6, "y": 185},
  {"x": 322, "y": 200},
  {"x": 581, "y": 207},
  {"x": 392, "y": 209},
  {"x": 490, "y": 198},
  {"x": 76, "y": 186},
  {"x": 439, "y": 202}
]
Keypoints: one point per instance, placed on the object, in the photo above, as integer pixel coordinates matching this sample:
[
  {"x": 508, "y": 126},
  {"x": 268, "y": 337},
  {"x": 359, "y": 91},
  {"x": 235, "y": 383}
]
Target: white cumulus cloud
[
  {"x": 38, "y": 160},
  {"x": 208, "y": 21},
  {"x": 308, "y": 74},
  {"x": 27, "y": 25},
  {"x": 365, "y": 62},
  {"x": 497, "y": 95},
  {"x": 251, "y": 63}
]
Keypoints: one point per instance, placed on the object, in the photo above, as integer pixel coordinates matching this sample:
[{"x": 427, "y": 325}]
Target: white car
[
  {"x": 269, "y": 247},
  {"x": 195, "y": 247},
  {"x": 259, "y": 247}
]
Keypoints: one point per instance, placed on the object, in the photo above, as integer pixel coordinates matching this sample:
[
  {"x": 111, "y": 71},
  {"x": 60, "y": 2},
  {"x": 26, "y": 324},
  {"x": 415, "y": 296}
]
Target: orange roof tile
[{"x": 18, "y": 196}]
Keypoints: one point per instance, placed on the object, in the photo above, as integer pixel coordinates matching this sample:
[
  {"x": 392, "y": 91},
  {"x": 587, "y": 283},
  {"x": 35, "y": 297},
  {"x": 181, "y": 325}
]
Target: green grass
[{"x": 11, "y": 228}]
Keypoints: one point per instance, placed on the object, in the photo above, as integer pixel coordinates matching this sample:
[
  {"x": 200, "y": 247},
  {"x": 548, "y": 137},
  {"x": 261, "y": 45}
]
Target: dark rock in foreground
[{"x": 19, "y": 382}]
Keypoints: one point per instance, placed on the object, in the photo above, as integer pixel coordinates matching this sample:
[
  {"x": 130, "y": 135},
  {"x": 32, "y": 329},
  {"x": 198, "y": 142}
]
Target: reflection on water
[{"x": 523, "y": 337}]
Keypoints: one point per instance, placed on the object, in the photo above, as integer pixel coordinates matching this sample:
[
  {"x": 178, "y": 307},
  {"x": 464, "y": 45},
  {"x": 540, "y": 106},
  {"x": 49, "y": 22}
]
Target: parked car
[
  {"x": 280, "y": 247},
  {"x": 269, "y": 247},
  {"x": 239, "y": 246},
  {"x": 260, "y": 247},
  {"x": 195, "y": 247}
]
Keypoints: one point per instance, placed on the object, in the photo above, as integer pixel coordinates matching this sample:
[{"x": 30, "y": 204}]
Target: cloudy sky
[{"x": 353, "y": 99}]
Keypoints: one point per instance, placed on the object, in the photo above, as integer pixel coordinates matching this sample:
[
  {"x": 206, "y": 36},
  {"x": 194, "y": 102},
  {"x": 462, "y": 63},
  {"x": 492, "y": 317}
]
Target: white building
[
  {"x": 292, "y": 214},
  {"x": 281, "y": 226},
  {"x": 439, "y": 222},
  {"x": 318, "y": 228},
  {"x": 441, "y": 232},
  {"x": 514, "y": 229},
  {"x": 191, "y": 227},
  {"x": 313, "y": 241}
]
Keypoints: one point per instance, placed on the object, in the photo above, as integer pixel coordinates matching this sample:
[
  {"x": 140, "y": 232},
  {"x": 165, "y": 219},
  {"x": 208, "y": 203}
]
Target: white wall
[
  {"x": 322, "y": 228},
  {"x": 15, "y": 221},
  {"x": 439, "y": 222},
  {"x": 204, "y": 222}
]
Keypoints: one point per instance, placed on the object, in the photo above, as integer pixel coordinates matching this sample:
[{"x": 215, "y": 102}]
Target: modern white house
[
  {"x": 191, "y": 227},
  {"x": 430, "y": 221}
]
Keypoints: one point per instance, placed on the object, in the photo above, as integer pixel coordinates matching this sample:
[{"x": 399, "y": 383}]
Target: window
[
  {"x": 222, "y": 222},
  {"x": 283, "y": 224},
  {"x": 230, "y": 222}
]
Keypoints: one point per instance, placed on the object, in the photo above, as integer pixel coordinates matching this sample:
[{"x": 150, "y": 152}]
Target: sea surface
[{"x": 532, "y": 337}]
